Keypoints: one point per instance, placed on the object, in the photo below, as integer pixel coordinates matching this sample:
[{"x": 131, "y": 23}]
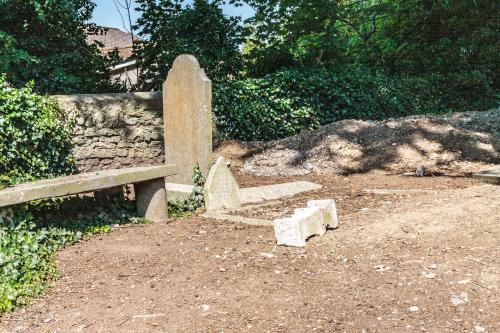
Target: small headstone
[
  {"x": 420, "y": 171},
  {"x": 221, "y": 190},
  {"x": 295, "y": 230},
  {"x": 329, "y": 211}
]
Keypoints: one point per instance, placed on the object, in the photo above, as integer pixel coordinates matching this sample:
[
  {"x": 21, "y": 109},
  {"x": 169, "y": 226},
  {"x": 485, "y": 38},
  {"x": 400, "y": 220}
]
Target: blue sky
[{"x": 106, "y": 14}]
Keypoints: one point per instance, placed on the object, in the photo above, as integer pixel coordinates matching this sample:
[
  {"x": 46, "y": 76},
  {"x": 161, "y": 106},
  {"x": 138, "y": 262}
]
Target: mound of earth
[{"x": 460, "y": 143}]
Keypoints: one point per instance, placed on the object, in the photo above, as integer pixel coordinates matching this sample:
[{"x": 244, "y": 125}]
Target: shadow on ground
[{"x": 451, "y": 145}]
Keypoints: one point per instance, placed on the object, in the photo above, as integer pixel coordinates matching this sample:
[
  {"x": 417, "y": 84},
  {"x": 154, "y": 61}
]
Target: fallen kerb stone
[
  {"x": 295, "y": 230},
  {"x": 178, "y": 192},
  {"x": 490, "y": 175},
  {"x": 221, "y": 191},
  {"x": 265, "y": 204},
  {"x": 276, "y": 191},
  {"x": 329, "y": 211}
]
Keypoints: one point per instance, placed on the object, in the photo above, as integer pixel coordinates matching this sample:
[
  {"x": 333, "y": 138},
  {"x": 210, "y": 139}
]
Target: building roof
[{"x": 113, "y": 38}]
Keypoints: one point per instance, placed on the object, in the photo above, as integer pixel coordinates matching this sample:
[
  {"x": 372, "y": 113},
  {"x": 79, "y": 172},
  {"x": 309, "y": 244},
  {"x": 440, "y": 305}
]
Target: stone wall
[{"x": 116, "y": 130}]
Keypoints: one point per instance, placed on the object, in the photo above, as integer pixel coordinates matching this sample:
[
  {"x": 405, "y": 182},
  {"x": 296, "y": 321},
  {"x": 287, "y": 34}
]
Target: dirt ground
[
  {"x": 456, "y": 144},
  {"x": 424, "y": 260}
]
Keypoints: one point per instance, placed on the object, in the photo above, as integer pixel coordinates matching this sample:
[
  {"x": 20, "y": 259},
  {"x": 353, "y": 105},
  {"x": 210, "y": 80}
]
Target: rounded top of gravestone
[
  {"x": 186, "y": 57},
  {"x": 188, "y": 63}
]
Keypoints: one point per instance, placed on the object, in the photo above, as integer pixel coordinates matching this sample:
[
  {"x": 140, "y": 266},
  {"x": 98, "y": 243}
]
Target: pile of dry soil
[{"x": 458, "y": 144}]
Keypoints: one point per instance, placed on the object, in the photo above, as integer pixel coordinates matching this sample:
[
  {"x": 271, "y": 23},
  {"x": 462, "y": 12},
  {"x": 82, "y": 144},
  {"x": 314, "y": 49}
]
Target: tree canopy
[
  {"x": 197, "y": 27},
  {"x": 453, "y": 43},
  {"x": 410, "y": 36},
  {"x": 45, "y": 41}
]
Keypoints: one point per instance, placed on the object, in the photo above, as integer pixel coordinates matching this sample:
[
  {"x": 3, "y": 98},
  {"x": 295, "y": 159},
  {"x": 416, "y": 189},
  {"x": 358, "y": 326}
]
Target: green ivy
[
  {"x": 46, "y": 41},
  {"x": 183, "y": 208},
  {"x": 35, "y": 136},
  {"x": 284, "y": 103},
  {"x": 30, "y": 238}
]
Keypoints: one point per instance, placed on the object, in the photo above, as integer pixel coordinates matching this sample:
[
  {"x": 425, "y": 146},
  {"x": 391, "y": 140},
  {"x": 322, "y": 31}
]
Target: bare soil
[
  {"x": 426, "y": 261},
  {"x": 457, "y": 144}
]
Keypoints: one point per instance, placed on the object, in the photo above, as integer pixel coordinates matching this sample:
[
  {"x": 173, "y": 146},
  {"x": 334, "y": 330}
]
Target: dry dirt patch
[
  {"x": 425, "y": 262},
  {"x": 458, "y": 144}
]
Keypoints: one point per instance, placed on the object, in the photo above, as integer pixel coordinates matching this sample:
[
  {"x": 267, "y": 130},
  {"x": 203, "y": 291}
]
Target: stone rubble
[
  {"x": 329, "y": 211},
  {"x": 306, "y": 222},
  {"x": 295, "y": 230}
]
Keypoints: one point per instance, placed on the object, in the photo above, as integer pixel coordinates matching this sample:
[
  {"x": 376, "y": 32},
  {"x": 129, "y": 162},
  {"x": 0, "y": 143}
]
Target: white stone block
[
  {"x": 329, "y": 211},
  {"x": 295, "y": 230}
]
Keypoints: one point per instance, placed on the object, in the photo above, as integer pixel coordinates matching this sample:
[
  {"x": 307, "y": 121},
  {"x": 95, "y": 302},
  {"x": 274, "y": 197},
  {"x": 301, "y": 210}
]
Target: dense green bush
[
  {"x": 286, "y": 102},
  {"x": 34, "y": 136},
  {"x": 257, "y": 109},
  {"x": 26, "y": 259},
  {"x": 35, "y": 143},
  {"x": 30, "y": 238}
]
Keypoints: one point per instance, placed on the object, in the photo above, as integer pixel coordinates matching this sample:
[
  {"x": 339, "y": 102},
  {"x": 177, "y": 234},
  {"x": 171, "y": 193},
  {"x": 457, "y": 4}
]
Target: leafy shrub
[
  {"x": 465, "y": 90},
  {"x": 195, "y": 200},
  {"x": 30, "y": 238},
  {"x": 26, "y": 259},
  {"x": 286, "y": 102},
  {"x": 266, "y": 108},
  {"x": 34, "y": 136}
]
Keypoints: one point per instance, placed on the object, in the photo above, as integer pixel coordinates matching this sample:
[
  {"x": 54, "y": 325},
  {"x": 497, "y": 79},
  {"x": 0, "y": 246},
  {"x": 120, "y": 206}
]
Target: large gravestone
[{"x": 187, "y": 113}]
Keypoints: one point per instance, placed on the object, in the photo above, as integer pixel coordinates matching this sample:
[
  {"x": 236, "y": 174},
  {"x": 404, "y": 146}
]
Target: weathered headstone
[
  {"x": 221, "y": 190},
  {"x": 329, "y": 211},
  {"x": 187, "y": 113},
  {"x": 420, "y": 170},
  {"x": 305, "y": 222}
]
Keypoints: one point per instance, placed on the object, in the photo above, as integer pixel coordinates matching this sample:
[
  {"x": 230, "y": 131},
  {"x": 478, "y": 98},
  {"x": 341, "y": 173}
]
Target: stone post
[
  {"x": 187, "y": 114},
  {"x": 151, "y": 199}
]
